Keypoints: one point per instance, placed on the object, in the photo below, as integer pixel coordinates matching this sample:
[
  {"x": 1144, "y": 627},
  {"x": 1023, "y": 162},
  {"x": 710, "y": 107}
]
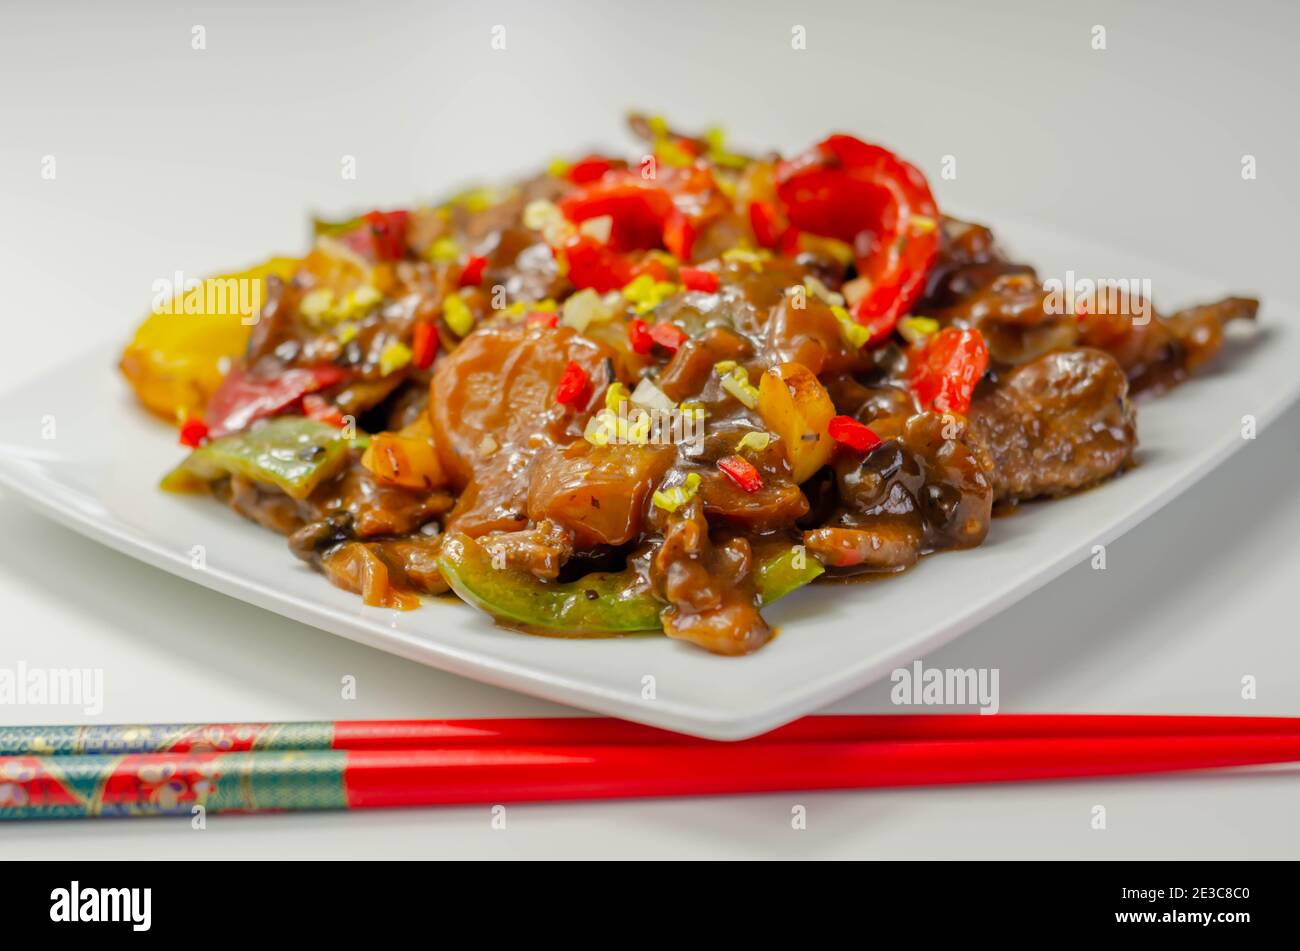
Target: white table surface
[{"x": 173, "y": 158}]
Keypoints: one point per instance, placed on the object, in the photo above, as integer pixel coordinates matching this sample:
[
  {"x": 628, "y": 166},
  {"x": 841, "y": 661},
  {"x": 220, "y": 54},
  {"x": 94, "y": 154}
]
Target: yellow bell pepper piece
[
  {"x": 180, "y": 354},
  {"x": 794, "y": 405}
]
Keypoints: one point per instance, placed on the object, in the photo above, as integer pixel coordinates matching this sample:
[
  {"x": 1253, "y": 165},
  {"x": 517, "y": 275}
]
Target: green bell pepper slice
[
  {"x": 778, "y": 575},
  {"x": 292, "y": 453},
  {"x": 599, "y": 603}
]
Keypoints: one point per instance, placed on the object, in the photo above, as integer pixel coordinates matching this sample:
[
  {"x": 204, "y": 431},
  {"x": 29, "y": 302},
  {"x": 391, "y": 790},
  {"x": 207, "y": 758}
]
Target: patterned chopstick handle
[
  {"x": 163, "y": 738},
  {"x": 74, "y": 787}
]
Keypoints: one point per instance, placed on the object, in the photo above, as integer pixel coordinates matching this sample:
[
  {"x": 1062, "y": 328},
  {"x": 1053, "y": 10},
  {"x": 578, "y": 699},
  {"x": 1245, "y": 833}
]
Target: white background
[{"x": 170, "y": 158}]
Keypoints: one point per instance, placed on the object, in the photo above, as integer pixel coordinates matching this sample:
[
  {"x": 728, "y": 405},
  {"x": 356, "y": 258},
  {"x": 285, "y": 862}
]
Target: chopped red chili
[
  {"x": 381, "y": 235},
  {"x": 639, "y": 337},
  {"x": 471, "y": 274},
  {"x": 193, "y": 432},
  {"x": 668, "y": 336},
  {"x": 424, "y": 344},
  {"x": 574, "y": 385},
  {"x": 742, "y": 472},
  {"x": 542, "y": 318},
  {"x": 943, "y": 370},
  {"x": 698, "y": 279},
  {"x": 851, "y": 433}
]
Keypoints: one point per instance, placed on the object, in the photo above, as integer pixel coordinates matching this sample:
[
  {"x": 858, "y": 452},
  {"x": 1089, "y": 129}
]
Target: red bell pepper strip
[
  {"x": 639, "y": 209},
  {"x": 242, "y": 399},
  {"x": 742, "y": 472},
  {"x": 943, "y": 370},
  {"x": 698, "y": 279},
  {"x": 662, "y": 212},
  {"x": 574, "y": 386},
  {"x": 849, "y": 432},
  {"x": 424, "y": 344},
  {"x": 193, "y": 431},
  {"x": 865, "y": 195}
]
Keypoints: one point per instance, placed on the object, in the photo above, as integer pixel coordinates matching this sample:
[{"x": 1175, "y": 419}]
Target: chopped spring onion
[
  {"x": 670, "y": 500},
  {"x": 444, "y": 251},
  {"x": 747, "y": 256},
  {"x": 916, "y": 329},
  {"x": 645, "y": 293},
  {"x": 601, "y": 428},
  {"x": 320, "y": 305},
  {"x": 735, "y": 380},
  {"x": 855, "y": 334},
  {"x": 823, "y": 293},
  {"x": 458, "y": 315},
  {"x": 316, "y": 304},
  {"x": 540, "y": 213},
  {"x": 608, "y": 426},
  {"x": 546, "y": 217},
  {"x": 393, "y": 357},
  {"x": 615, "y": 396}
]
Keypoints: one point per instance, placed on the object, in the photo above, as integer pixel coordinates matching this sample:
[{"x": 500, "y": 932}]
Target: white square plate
[{"x": 99, "y": 476}]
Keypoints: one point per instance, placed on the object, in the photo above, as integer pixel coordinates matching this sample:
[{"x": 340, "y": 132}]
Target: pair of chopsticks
[{"x": 67, "y": 771}]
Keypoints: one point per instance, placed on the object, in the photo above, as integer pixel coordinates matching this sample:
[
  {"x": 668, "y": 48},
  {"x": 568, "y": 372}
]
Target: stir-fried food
[{"x": 655, "y": 395}]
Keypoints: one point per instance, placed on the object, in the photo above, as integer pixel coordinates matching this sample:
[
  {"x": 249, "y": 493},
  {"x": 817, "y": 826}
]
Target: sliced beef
[
  {"x": 709, "y": 584},
  {"x": 496, "y": 391},
  {"x": 597, "y": 492},
  {"x": 1055, "y": 425},
  {"x": 1159, "y": 352},
  {"x": 541, "y": 550}
]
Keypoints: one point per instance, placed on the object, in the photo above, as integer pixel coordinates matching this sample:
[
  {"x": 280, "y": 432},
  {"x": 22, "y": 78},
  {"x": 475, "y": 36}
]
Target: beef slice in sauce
[{"x": 1055, "y": 425}]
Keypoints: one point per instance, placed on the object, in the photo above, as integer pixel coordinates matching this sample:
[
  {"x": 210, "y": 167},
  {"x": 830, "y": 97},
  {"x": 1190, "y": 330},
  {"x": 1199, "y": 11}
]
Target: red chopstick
[
  {"x": 604, "y": 731},
  {"x": 176, "y": 783},
  {"x": 502, "y": 775},
  {"x": 600, "y": 731}
]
